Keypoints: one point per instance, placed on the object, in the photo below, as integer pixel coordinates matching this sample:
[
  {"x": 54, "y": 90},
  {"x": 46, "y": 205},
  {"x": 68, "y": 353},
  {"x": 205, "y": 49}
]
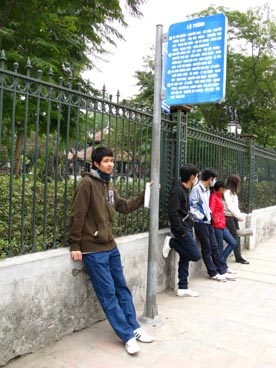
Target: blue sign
[
  {"x": 164, "y": 106},
  {"x": 196, "y": 64}
]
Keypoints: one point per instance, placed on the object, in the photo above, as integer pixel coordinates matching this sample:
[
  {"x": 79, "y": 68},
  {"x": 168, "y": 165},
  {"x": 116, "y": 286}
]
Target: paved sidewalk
[{"x": 231, "y": 325}]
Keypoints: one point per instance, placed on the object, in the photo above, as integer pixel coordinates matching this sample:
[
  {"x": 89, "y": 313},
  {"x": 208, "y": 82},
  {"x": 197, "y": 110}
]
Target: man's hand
[
  {"x": 151, "y": 184},
  {"x": 76, "y": 255}
]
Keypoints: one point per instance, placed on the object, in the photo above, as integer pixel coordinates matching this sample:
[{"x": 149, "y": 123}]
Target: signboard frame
[{"x": 196, "y": 61}]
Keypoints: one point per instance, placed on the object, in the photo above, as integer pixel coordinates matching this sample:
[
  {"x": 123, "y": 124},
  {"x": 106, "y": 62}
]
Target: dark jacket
[
  {"x": 93, "y": 208},
  {"x": 179, "y": 210}
]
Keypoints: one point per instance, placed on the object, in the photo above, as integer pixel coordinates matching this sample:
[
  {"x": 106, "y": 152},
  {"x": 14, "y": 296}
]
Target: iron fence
[
  {"x": 48, "y": 131},
  {"x": 47, "y": 134}
]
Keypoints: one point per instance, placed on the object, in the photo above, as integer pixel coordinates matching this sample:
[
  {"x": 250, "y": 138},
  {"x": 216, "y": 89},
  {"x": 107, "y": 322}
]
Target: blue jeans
[
  {"x": 188, "y": 251},
  {"x": 106, "y": 274},
  {"x": 209, "y": 249},
  {"x": 221, "y": 235}
]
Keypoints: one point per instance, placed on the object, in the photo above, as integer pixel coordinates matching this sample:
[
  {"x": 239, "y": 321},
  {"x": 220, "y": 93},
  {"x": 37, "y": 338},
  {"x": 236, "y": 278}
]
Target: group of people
[
  {"x": 213, "y": 209},
  {"x": 91, "y": 239}
]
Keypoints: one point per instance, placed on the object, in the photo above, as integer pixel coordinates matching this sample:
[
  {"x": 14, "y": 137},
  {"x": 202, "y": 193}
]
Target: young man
[
  {"x": 199, "y": 200},
  {"x": 182, "y": 228},
  {"x": 91, "y": 240}
]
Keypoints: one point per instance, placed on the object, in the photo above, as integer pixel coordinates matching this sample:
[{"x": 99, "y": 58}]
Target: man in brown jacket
[{"x": 92, "y": 241}]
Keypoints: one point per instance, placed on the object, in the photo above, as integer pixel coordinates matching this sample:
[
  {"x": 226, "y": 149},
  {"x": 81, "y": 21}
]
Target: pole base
[{"x": 150, "y": 321}]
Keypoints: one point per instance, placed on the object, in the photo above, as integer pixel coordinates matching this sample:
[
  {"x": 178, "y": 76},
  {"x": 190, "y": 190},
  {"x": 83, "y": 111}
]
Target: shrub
[{"x": 45, "y": 224}]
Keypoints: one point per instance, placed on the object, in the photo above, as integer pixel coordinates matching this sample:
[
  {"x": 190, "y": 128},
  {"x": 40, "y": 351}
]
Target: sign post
[{"x": 150, "y": 309}]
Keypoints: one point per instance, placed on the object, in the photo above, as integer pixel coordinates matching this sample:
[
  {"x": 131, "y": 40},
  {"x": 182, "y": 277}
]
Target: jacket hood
[
  {"x": 220, "y": 195},
  {"x": 179, "y": 184},
  {"x": 94, "y": 174}
]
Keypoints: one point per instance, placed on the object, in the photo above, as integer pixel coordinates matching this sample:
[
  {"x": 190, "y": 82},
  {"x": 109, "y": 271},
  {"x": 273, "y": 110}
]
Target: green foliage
[
  {"x": 62, "y": 34},
  {"x": 47, "y": 230},
  {"x": 264, "y": 195},
  {"x": 136, "y": 221},
  {"x": 33, "y": 227},
  {"x": 145, "y": 81},
  {"x": 251, "y": 75}
]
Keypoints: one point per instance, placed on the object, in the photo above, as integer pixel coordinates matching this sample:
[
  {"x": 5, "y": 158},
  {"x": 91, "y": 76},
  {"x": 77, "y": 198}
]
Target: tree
[
  {"x": 251, "y": 72},
  {"x": 145, "y": 81},
  {"x": 63, "y": 34},
  {"x": 251, "y": 75},
  {"x": 59, "y": 36}
]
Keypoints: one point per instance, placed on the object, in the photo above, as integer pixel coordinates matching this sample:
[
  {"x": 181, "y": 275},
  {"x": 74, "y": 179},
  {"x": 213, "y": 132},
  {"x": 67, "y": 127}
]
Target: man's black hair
[
  {"x": 186, "y": 171},
  {"x": 208, "y": 173},
  {"x": 219, "y": 184},
  {"x": 99, "y": 153}
]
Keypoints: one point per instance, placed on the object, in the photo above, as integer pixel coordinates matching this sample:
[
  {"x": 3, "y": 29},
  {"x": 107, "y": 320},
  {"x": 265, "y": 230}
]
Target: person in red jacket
[{"x": 219, "y": 223}]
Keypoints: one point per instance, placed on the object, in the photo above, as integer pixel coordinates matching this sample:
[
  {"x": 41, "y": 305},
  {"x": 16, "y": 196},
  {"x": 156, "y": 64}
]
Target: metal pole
[{"x": 150, "y": 309}]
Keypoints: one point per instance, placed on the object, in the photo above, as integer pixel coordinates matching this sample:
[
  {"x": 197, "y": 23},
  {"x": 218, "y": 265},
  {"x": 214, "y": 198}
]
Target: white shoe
[
  {"x": 142, "y": 336},
  {"x": 132, "y": 347},
  {"x": 187, "y": 292},
  {"x": 231, "y": 270},
  {"x": 229, "y": 276},
  {"x": 166, "y": 247},
  {"x": 219, "y": 277}
]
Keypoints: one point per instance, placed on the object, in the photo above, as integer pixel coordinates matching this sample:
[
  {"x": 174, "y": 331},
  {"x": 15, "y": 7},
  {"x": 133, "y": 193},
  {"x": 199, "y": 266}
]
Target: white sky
[{"x": 117, "y": 73}]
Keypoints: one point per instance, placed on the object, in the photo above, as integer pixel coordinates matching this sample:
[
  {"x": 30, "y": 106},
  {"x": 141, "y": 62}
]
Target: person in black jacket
[{"x": 181, "y": 222}]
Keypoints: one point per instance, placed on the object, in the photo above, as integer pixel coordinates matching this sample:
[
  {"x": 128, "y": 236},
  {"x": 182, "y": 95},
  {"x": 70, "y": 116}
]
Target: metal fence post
[
  {"x": 181, "y": 140},
  {"x": 250, "y": 167}
]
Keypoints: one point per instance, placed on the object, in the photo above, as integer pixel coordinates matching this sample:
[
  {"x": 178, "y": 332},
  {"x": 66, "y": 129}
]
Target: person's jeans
[
  {"x": 188, "y": 251},
  {"x": 224, "y": 235},
  {"x": 106, "y": 274},
  {"x": 209, "y": 249},
  {"x": 233, "y": 225}
]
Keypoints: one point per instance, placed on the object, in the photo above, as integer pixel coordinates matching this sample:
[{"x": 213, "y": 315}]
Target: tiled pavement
[{"x": 231, "y": 325}]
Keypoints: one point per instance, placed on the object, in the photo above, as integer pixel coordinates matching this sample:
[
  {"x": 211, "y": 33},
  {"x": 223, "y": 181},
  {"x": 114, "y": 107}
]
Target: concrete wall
[
  {"x": 46, "y": 296},
  {"x": 263, "y": 224}
]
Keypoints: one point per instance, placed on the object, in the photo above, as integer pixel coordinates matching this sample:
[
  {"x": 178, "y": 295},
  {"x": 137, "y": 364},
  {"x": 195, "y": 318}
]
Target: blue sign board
[{"x": 196, "y": 63}]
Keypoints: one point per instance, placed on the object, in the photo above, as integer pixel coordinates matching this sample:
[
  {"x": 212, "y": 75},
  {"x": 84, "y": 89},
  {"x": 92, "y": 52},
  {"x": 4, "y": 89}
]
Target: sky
[{"x": 117, "y": 72}]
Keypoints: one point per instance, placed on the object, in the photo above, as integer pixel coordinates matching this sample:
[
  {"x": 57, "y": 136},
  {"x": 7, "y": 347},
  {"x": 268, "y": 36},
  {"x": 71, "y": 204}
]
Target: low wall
[
  {"x": 263, "y": 224},
  {"x": 45, "y": 296}
]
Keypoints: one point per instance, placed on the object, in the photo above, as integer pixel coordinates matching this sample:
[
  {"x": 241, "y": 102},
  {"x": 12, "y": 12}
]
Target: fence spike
[
  {"x": 104, "y": 91},
  {"x": 15, "y": 66},
  {"x": 28, "y": 66},
  {"x": 3, "y": 59},
  {"x": 39, "y": 73},
  {"x": 88, "y": 85},
  {"x": 118, "y": 96},
  {"x": 50, "y": 73}
]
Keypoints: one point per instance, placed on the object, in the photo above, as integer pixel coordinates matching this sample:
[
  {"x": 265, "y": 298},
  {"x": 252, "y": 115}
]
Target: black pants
[
  {"x": 209, "y": 249},
  {"x": 188, "y": 251},
  {"x": 233, "y": 225}
]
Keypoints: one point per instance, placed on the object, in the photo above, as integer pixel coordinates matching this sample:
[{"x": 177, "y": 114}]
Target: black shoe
[{"x": 242, "y": 261}]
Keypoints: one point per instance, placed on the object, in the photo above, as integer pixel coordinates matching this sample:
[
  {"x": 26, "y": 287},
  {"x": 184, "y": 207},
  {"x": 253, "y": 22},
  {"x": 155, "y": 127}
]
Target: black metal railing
[{"x": 48, "y": 131}]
